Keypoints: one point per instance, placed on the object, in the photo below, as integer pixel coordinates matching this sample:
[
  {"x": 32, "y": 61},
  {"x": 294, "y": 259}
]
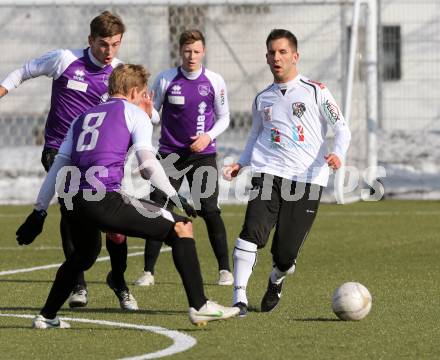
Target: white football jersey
[{"x": 288, "y": 135}]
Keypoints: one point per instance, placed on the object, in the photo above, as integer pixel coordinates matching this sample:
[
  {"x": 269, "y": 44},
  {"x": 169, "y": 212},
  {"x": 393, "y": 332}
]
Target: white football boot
[
  {"x": 78, "y": 297},
  {"x": 211, "y": 311},
  {"x": 225, "y": 278},
  {"x": 147, "y": 279},
  {"x": 40, "y": 322}
]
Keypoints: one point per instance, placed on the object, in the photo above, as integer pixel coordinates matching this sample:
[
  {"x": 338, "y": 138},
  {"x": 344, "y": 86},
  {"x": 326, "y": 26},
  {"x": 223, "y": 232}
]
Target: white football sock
[{"x": 245, "y": 257}]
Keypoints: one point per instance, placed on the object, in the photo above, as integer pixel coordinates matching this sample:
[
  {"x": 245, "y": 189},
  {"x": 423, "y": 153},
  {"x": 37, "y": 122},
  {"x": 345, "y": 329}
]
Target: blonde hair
[{"x": 126, "y": 77}]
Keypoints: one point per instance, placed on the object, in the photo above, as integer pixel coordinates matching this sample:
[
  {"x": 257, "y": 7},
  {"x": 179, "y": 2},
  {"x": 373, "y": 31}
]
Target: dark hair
[
  {"x": 124, "y": 77},
  {"x": 106, "y": 24},
  {"x": 191, "y": 36},
  {"x": 276, "y": 34}
]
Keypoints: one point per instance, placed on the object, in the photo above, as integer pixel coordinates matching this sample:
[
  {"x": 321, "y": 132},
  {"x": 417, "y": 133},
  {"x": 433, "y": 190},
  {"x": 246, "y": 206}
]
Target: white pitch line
[
  {"x": 181, "y": 341},
  {"x": 50, "y": 266}
]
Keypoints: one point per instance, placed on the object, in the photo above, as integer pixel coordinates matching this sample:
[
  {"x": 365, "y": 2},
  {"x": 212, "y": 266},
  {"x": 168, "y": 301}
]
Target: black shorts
[
  {"x": 289, "y": 206},
  {"x": 120, "y": 214},
  {"x": 202, "y": 175}
]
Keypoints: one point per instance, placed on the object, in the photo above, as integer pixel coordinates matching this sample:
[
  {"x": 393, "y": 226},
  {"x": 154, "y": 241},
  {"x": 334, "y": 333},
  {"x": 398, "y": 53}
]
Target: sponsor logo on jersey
[
  {"x": 77, "y": 85},
  {"x": 275, "y": 136},
  {"x": 321, "y": 85},
  {"x": 331, "y": 111},
  {"x": 299, "y": 109},
  {"x": 202, "y": 108},
  {"x": 298, "y": 133},
  {"x": 222, "y": 96},
  {"x": 267, "y": 113},
  {"x": 79, "y": 75},
  {"x": 201, "y": 119},
  {"x": 203, "y": 89},
  {"x": 176, "y": 89},
  {"x": 176, "y": 99}
]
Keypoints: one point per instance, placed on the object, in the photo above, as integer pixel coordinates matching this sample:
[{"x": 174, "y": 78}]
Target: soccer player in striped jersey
[
  {"x": 287, "y": 150},
  {"x": 80, "y": 80},
  {"x": 94, "y": 153},
  {"x": 195, "y": 112}
]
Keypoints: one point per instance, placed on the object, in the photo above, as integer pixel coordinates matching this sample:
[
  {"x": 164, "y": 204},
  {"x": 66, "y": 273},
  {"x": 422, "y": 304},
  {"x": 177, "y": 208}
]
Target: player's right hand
[
  {"x": 231, "y": 171},
  {"x": 31, "y": 228},
  {"x": 147, "y": 103}
]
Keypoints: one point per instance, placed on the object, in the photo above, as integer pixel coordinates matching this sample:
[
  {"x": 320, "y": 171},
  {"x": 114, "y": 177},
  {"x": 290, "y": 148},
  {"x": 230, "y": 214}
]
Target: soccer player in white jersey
[
  {"x": 287, "y": 151},
  {"x": 195, "y": 112},
  {"x": 80, "y": 80}
]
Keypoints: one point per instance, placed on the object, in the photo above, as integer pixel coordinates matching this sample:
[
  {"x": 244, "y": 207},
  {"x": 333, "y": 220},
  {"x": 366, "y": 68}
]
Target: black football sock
[
  {"x": 187, "y": 264},
  {"x": 151, "y": 254},
  {"x": 217, "y": 237},
  {"x": 118, "y": 260}
]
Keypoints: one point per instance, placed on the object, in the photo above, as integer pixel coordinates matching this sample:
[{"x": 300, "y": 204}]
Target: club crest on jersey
[
  {"x": 331, "y": 111},
  {"x": 79, "y": 75},
  {"x": 267, "y": 113},
  {"x": 203, "y": 89},
  {"x": 299, "y": 109},
  {"x": 104, "y": 97}
]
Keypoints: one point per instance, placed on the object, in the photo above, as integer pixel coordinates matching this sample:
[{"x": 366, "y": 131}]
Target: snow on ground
[{"x": 411, "y": 162}]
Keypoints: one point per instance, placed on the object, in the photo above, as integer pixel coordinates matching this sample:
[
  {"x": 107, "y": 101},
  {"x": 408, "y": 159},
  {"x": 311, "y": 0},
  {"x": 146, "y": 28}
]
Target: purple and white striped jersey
[
  {"x": 192, "y": 104},
  {"x": 100, "y": 138},
  {"x": 95, "y": 149},
  {"x": 79, "y": 82}
]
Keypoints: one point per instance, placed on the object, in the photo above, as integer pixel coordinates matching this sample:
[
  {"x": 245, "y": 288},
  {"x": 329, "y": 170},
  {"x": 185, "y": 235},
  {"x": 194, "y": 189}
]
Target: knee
[
  {"x": 84, "y": 263},
  {"x": 286, "y": 265},
  {"x": 243, "y": 248},
  {"x": 254, "y": 236},
  {"x": 184, "y": 229},
  {"x": 208, "y": 208},
  {"x": 116, "y": 238}
]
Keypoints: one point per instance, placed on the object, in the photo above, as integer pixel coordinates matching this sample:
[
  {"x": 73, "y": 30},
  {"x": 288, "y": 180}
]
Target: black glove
[
  {"x": 182, "y": 203},
  {"x": 31, "y": 228}
]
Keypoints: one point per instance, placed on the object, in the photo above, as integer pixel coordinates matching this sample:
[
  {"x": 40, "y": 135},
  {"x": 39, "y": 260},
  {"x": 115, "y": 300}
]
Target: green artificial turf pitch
[{"x": 392, "y": 247}]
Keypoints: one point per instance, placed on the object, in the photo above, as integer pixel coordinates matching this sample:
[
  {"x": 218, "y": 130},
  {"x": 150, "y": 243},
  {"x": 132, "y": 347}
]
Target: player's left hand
[
  {"x": 147, "y": 103},
  {"x": 200, "y": 142},
  {"x": 182, "y": 203},
  {"x": 333, "y": 161},
  {"x": 31, "y": 228}
]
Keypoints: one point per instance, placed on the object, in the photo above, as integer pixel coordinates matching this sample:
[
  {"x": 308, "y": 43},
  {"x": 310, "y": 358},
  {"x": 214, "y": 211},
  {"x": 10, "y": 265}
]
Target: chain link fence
[{"x": 409, "y": 49}]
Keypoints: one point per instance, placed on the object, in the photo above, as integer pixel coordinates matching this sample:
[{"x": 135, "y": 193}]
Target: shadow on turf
[
  {"x": 25, "y": 281},
  {"x": 50, "y": 281},
  {"x": 315, "y": 319},
  {"x": 98, "y": 310}
]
